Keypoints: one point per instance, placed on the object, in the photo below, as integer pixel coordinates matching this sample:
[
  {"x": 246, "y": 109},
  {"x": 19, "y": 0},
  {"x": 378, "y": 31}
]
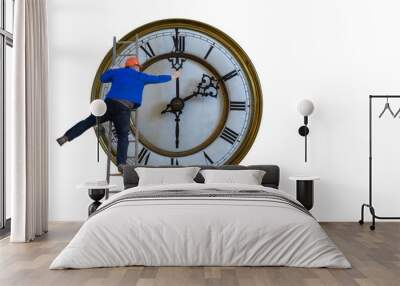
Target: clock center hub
[{"x": 177, "y": 104}]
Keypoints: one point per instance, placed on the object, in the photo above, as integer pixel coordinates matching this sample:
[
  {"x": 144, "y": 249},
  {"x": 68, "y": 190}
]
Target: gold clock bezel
[{"x": 228, "y": 43}]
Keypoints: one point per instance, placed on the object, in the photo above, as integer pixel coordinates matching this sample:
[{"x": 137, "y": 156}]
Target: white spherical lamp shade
[
  {"x": 98, "y": 107},
  {"x": 305, "y": 107}
]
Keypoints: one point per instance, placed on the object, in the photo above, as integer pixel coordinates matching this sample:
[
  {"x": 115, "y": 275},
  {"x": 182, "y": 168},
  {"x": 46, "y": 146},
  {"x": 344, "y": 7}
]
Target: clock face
[{"x": 209, "y": 115}]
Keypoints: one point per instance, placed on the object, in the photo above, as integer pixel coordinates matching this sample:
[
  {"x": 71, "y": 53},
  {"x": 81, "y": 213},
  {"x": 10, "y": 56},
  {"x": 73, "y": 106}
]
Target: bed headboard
[{"x": 270, "y": 179}]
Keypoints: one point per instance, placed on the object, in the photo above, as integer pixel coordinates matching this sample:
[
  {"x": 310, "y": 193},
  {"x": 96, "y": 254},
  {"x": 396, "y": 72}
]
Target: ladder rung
[
  {"x": 127, "y": 55},
  {"x": 115, "y": 174}
]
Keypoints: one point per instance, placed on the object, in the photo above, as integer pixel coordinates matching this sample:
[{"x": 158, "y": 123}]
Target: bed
[{"x": 201, "y": 224}]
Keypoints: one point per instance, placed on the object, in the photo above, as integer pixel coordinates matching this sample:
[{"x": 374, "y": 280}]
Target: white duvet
[{"x": 200, "y": 231}]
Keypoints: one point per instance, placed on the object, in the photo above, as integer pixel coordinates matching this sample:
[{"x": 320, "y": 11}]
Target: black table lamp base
[{"x": 305, "y": 193}]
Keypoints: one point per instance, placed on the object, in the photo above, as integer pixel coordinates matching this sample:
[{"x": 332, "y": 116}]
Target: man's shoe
[
  {"x": 121, "y": 168},
  {"x": 62, "y": 140}
]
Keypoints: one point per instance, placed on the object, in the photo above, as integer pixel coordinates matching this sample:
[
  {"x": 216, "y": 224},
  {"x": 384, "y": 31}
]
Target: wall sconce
[
  {"x": 98, "y": 108},
  {"x": 305, "y": 108}
]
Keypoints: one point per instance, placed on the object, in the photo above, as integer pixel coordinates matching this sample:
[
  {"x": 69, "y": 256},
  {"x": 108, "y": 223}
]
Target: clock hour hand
[
  {"x": 190, "y": 96},
  {"x": 208, "y": 86}
]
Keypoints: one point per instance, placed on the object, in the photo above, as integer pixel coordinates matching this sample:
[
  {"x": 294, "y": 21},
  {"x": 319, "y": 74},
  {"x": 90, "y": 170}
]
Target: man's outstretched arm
[{"x": 148, "y": 78}]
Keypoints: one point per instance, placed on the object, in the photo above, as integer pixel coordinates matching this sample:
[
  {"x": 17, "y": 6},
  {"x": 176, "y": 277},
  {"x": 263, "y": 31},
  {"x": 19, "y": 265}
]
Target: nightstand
[
  {"x": 96, "y": 193},
  {"x": 305, "y": 190}
]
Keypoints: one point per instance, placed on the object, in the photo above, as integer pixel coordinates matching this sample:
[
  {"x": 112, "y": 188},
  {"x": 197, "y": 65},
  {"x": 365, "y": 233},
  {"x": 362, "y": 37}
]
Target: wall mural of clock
[{"x": 210, "y": 115}]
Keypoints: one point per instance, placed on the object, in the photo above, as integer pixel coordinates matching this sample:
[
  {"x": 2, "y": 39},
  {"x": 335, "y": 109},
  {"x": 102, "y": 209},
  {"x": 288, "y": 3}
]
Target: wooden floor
[{"x": 375, "y": 257}]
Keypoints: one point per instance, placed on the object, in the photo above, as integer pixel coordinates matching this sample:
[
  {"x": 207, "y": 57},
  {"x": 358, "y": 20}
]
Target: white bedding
[{"x": 200, "y": 231}]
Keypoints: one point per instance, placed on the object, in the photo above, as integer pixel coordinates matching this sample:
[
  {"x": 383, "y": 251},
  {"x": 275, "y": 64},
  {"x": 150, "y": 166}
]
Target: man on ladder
[{"x": 126, "y": 92}]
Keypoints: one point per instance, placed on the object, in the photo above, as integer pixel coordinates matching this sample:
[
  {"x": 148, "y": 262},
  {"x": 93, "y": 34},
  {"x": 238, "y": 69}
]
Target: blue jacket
[{"x": 128, "y": 84}]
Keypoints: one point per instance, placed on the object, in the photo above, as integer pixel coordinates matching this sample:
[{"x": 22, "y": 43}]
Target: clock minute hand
[
  {"x": 177, "y": 115},
  {"x": 177, "y": 120},
  {"x": 168, "y": 108},
  {"x": 177, "y": 87}
]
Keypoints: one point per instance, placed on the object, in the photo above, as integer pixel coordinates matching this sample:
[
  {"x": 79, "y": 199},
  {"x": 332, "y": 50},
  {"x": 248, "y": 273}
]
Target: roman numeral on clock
[
  {"x": 230, "y": 75},
  {"x": 208, "y": 159},
  {"x": 174, "y": 162},
  {"x": 148, "y": 50},
  {"x": 144, "y": 156},
  {"x": 208, "y": 52},
  {"x": 179, "y": 42},
  {"x": 229, "y": 135},
  {"x": 237, "y": 105}
]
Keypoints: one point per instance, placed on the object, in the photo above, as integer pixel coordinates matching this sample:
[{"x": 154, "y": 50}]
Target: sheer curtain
[{"x": 28, "y": 115}]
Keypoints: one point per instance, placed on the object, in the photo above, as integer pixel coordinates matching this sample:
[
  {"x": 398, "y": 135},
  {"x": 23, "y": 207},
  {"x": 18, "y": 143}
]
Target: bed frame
[{"x": 270, "y": 179}]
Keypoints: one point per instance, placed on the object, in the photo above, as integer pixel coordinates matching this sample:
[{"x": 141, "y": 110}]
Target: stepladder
[{"x": 133, "y": 140}]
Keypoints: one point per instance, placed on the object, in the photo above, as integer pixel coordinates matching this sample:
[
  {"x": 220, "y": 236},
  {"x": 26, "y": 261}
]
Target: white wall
[{"x": 333, "y": 52}]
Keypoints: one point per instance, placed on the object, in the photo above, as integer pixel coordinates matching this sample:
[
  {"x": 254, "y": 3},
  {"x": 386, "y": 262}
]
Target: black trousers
[{"x": 120, "y": 115}]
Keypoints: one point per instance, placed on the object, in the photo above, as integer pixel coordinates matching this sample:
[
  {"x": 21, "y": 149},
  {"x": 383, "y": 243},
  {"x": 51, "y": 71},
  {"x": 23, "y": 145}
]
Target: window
[{"x": 6, "y": 43}]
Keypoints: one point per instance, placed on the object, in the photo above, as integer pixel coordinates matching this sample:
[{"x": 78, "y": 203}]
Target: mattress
[{"x": 201, "y": 225}]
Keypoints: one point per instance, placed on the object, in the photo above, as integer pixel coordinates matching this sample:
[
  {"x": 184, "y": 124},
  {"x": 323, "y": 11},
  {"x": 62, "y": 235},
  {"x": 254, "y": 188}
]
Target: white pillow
[
  {"x": 166, "y": 176},
  {"x": 247, "y": 177}
]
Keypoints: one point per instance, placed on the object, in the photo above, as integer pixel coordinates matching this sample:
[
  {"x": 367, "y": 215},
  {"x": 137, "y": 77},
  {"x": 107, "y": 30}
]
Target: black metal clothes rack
[{"x": 370, "y": 204}]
